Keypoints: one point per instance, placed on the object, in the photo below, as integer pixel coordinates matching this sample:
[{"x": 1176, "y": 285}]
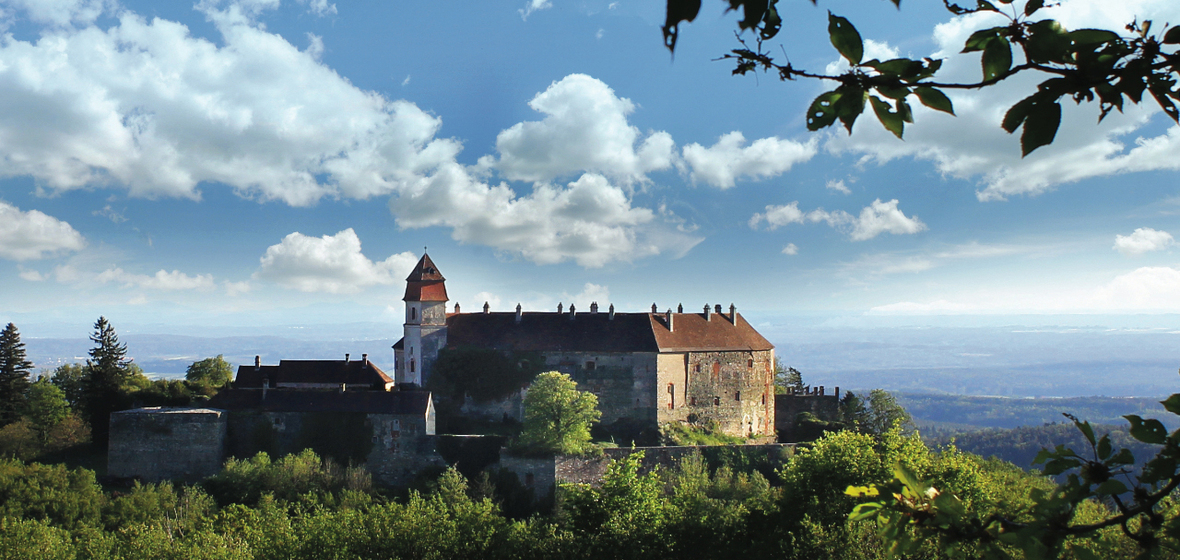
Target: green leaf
[
  {"x": 1047, "y": 41},
  {"x": 1091, "y": 36},
  {"x": 752, "y": 10},
  {"x": 1058, "y": 466},
  {"x": 1111, "y": 487},
  {"x": 822, "y": 112},
  {"x": 1172, "y": 404},
  {"x": 846, "y": 39},
  {"x": 891, "y": 120},
  {"x": 894, "y": 92},
  {"x": 771, "y": 24},
  {"x": 1040, "y": 127},
  {"x": 1104, "y": 448},
  {"x": 1032, "y": 6},
  {"x": 1082, "y": 553},
  {"x": 997, "y": 58},
  {"x": 1172, "y": 37},
  {"x": 1123, "y": 457},
  {"x": 935, "y": 99},
  {"x": 984, "y": 5},
  {"x": 1087, "y": 430},
  {"x": 906, "y": 112},
  {"x": 978, "y": 40},
  {"x": 1147, "y": 431},
  {"x": 902, "y": 67},
  {"x": 850, "y": 105}
]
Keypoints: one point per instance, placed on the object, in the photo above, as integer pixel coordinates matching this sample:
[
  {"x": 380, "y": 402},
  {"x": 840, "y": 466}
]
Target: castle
[{"x": 647, "y": 369}]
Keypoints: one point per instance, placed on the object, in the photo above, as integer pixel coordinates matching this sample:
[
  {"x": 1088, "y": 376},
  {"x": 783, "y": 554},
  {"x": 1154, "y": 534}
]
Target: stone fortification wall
[
  {"x": 166, "y": 443},
  {"x": 732, "y": 388},
  {"x": 787, "y": 407},
  {"x": 589, "y": 470},
  {"x": 624, "y": 382}
]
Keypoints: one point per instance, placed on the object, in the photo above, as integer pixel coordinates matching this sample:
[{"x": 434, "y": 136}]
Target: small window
[
  {"x": 411, "y": 365},
  {"x": 698, "y": 367},
  {"x": 413, "y": 313},
  {"x": 763, "y": 398},
  {"x": 737, "y": 396},
  {"x": 589, "y": 366},
  {"x": 716, "y": 370},
  {"x": 750, "y": 363},
  {"x": 716, "y": 401},
  {"x": 692, "y": 401}
]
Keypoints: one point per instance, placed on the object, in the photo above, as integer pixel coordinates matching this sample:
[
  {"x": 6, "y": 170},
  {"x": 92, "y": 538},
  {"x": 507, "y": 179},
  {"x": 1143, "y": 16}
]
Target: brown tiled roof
[
  {"x": 352, "y": 372},
  {"x": 596, "y": 332},
  {"x": 293, "y": 400},
  {"x": 692, "y": 332},
  {"x": 425, "y": 282}
]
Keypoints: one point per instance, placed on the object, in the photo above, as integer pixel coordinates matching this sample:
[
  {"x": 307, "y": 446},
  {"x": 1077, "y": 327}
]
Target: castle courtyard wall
[
  {"x": 733, "y": 388},
  {"x": 166, "y": 443}
]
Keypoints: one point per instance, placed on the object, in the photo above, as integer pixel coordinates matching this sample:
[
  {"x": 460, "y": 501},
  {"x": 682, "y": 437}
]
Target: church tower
[{"x": 426, "y": 322}]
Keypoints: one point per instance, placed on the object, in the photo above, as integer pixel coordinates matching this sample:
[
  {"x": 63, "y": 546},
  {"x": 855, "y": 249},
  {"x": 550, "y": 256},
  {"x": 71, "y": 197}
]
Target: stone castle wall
[
  {"x": 734, "y": 389},
  {"x": 166, "y": 443},
  {"x": 787, "y": 408}
]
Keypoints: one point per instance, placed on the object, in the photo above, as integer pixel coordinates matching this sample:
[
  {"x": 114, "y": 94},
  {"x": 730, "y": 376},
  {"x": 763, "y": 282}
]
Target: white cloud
[
  {"x": 161, "y": 280},
  {"x": 777, "y": 216},
  {"x": 790, "y": 249},
  {"x": 479, "y": 299},
  {"x": 585, "y": 129},
  {"x": 838, "y": 186},
  {"x": 332, "y": 263},
  {"x": 590, "y": 220},
  {"x": 31, "y": 275},
  {"x": 34, "y": 235},
  {"x": 319, "y": 7},
  {"x": 590, "y": 293},
  {"x": 58, "y": 13},
  {"x": 1143, "y": 240},
  {"x": 110, "y": 214},
  {"x": 146, "y": 106},
  {"x": 236, "y": 288},
  {"x": 533, "y": 6},
  {"x": 875, "y": 219},
  {"x": 973, "y": 146},
  {"x": 726, "y": 161}
]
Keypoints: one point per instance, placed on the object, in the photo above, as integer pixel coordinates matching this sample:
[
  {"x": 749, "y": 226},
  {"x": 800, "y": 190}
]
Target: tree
[
  {"x": 46, "y": 405},
  {"x": 787, "y": 379},
  {"x": 876, "y": 414},
  {"x": 557, "y": 416},
  {"x": 107, "y": 371},
  {"x": 71, "y": 379},
  {"x": 1082, "y": 64},
  {"x": 211, "y": 372},
  {"x": 14, "y": 374}
]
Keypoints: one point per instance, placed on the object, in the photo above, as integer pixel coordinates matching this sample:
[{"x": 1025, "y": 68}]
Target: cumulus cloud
[
  {"x": 161, "y": 280},
  {"x": 534, "y": 6},
  {"x": 58, "y": 13},
  {"x": 34, "y": 235},
  {"x": 589, "y": 220},
  {"x": 1143, "y": 240},
  {"x": 875, "y": 219},
  {"x": 790, "y": 249},
  {"x": 838, "y": 186},
  {"x": 721, "y": 164},
  {"x": 973, "y": 146},
  {"x": 585, "y": 129},
  {"x": 332, "y": 263},
  {"x": 590, "y": 293},
  {"x": 146, "y": 106}
]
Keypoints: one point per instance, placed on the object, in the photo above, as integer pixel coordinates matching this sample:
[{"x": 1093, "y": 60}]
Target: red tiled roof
[
  {"x": 352, "y": 372},
  {"x": 596, "y": 332},
  {"x": 425, "y": 282},
  {"x": 425, "y": 271}
]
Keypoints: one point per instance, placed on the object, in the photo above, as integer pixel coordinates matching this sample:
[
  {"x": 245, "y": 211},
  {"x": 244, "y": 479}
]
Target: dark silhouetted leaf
[
  {"x": 850, "y": 105},
  {"x": 1123, "y": 457},
  {"x": 772, "y": 23},
  {"x": 1147, "y": 431},
  {"x": 1172, "y": 37},
  {"x": 1086, "y": 429},
  {"x": 1040, "y": 127},
  {"x": 1111, "y": 487},
  {"x": 935, "y": 99},
  {"x": 1172, "y": 403},
  {"x": 1032, "y": 6},
  {"x": 752, "y": 11},
  {"x": 1091, "y": 36},
  {"x": 846, "y": 39},
  {"x": 1104, "y": 448},
  {"x": 891, "y": 120},
  {"x": 997, "y": 58},
  {"x": 822, "y": 112},
  {"x": 678, "y": 11},
  {"x": 978, "y": 40}
]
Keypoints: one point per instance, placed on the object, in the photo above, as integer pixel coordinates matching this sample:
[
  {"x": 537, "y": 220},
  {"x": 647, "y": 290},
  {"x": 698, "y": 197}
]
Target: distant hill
[
  {"x": 1021, "y": 445},
  {"x": 947, "y": 414}
]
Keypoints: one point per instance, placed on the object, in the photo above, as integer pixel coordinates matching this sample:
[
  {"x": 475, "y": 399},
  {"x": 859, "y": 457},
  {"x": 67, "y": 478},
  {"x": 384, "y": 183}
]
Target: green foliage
[
  {"x": 876, "y": 414},
  {"x": 481, "y": 373},
  {"x": 213, "y": 372},
  {"x": 787, "y": 379},
  {"x": 45, "y": 404},
  {"x": 624, "y": 517},
  {"x": 302, "y": 478},
  {"x": 107, "y": 373},
  {"x": 1081, "y": 64},
  {"x": 71, "y": 379},
  {"x": 67, "y": 498},
  {"x": 557, "y": 416},
  {"x": 708, "y": 433},
  {"x": 14, "y": 375},
  {"x": 19, "y": 538}
]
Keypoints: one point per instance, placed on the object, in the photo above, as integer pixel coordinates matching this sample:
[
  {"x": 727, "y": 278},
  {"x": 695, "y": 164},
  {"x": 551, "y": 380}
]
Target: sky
[{"x": 270, "y": 162}]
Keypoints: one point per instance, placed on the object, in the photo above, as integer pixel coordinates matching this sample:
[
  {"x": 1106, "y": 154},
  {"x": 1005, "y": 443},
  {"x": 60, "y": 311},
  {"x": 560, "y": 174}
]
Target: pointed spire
[{"x": 425, "y": 282}]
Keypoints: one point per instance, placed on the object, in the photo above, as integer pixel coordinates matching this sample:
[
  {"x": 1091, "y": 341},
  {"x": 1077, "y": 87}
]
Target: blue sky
[{"x": 270, "y": 163}]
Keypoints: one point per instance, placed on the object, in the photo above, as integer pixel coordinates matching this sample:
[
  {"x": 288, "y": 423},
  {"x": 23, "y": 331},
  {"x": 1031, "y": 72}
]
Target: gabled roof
[
  {"x": 294, "y": 400},
  {"x": 425, "y": 282},
  {"x": 334, "y": 372},
  {"x": 596, "y": 332}
]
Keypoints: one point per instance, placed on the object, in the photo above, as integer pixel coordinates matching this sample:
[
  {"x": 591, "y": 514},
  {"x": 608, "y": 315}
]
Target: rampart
[
  {"x": 787, "y": 408},
  {"x": 166, "y": 443}
]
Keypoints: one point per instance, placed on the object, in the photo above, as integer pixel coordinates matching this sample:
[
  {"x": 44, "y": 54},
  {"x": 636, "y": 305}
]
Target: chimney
[
  {"x": 717, "y": 309},
  {"x": 668, "y": 319},
  {"x": 653, "y": 308},
  {"x": 346, "y": 357},
  {"x": 707, "y": 312},
  {"x": 486, "y": 308},
  {"x": 518, "y": 313},
  {"x": 456, "y": 308},
  {"x": 365, "y": 358},
  {"x": 594, "y": 308},
  {"x": 680, "y": 308},
  {"x": 559, "y": 308},
  {"x": 733, "y": 313},
  {"x": 257, "y": 363},
  {"x": 611, "y": 317},
  {"x": 571, "y": 312}
]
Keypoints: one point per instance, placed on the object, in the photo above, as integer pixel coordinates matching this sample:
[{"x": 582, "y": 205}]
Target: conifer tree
[
  {"x": 106, "y": 371},
  {"x": 14, "y": 374}
]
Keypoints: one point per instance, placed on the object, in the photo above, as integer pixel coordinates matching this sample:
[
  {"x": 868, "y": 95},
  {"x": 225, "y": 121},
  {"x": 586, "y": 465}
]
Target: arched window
[
  {"x": 413, "y": 313},
  {"x": 411, "y": 365}
]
